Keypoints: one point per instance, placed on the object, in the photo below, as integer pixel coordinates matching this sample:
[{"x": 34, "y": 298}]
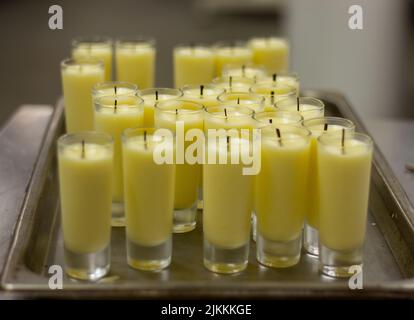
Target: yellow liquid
[
  {"x": 232, "y": 55},
  {"x": 85, "y": 195},
  {"x": 149, "y": 194},
  {"x": 273, "y": 53},
  {"x": 136, "y": 64},
  {"x": 114, "y": 123},
  {"x": 149, "y": 106},
  {"x": 193, "y": 66},
  {"x": 187, "y": 175},
  {"x": 307, "y": 111},
  {"x": 98, "y": 52},
  {"x": 78, "y": 81},
  {"x": 227, "y": 195},
  {"x": 344, "y": 189},
  {"x": 280, "y": 188}
]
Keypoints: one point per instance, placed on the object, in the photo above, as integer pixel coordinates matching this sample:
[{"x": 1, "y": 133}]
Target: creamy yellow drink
[
  {"x": 272, "y": 52},
  {"x": 85, "y": 176},
  {"x": 273, "y": 92},
  {"x": 203, "y": 94},
  {"x": 308, "y": 107},
  {"x": 233, "y": 83},
  {"x": 319, "y": 126},
  {"x": 281, "y": 185},
  {"x": 153, "y": 95},
  {"x": 227, "y": 197},
  {"x": 278, "y": 118},
  {"x": 149, "y": 188},
  {"x": 78, "y": 79},
  {"x": 253, "y": 101},
  {"x": 193, "y": 65},
  {"x": 135, "y": 62},
  {"x": 114, "y": 114},
  {"x": 228, "y": 53},
  {"x": 97, "y": 48},
  {"x": 344, "y": 178},
  {"x": 245, "y": 70}
]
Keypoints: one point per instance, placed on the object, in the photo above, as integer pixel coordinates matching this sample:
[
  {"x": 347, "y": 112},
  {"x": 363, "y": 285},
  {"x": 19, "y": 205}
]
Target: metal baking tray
[{"x": 37, "y": 244}]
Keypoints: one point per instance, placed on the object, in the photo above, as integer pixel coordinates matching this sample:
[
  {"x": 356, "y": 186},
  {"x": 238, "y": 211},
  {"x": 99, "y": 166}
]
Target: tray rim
[{"x": 391, "y": 289}]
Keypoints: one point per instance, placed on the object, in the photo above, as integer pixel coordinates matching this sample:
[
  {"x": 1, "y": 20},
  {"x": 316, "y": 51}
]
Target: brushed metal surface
[{"x": 388, "y": 251}]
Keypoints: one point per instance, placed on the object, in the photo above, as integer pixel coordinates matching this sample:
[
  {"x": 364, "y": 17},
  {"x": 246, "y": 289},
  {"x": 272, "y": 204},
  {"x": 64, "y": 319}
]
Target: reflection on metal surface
[{"x": 388, "y": 256}]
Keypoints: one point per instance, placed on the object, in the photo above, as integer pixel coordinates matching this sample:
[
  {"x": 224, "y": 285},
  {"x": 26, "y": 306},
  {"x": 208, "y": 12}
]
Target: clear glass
[
  {"x": 85, "y": 173},
  {"x": 231, "y": 52},
  {"x": 247, "y": 70},
  {"x": 148, "y": 210},
  {"x": 227, "y": 208},
  {"x": 204, "y": 94},
  {"x": 168, "y": 114},
  {"x": 233, "y": 83},
  {"x": 96, "y": 47},
  {"x": 318, "y": 126},
  {"x": 280, "y": 217},
  {"x": 114, "y": 114},
  {"x": 308, "y": 107},
  {"x": 194, "y": 64},
  {"x": 78, "y": 79},
  {"x": 273, "y": 92},
  {"x": 250, "y": 100},
  {"x": 135, "y": 60},
  {"x": 151, "y": 96},
  {"x": 114, "y": 88},
  {"x": 278, "y": 117},
  {"x": 344, "y": 173},
  {"x": 228, "y": 117},
  {"x": 289, "y": 78}
]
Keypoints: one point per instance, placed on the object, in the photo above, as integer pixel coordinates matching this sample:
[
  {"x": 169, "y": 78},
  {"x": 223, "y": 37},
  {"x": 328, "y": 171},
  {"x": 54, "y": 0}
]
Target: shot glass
[
  {"x": 204, "y": 94},
  {"x": 278, "y": 118},
  {"x": 114, "y": 88},
  {"x": 288, "y": 78},
  {"x": 228, "y": 117},
  {"x": 78, "y": 79},
  {"x": 344, "y": 164},
  {"x": 153, "y": 95},
  {"x": 273, "y": 92},
  {"x": 248, "y": 70},
  {"x": 177, "y": 115},
  {"x": 231, "y": 53},
  {"x": 149, "y": 198},
  {"x": 271, "y": 52},
  {"x": 250, "y": 100},
  {"x": 135, "y": 61},
  {"x": 308, "y": 107},
  {"x": 194, "y": 64},
  {"x": 85, "y": 174},
  {"x": 233, "y": 83},
  {"x": 280, "y": 195},
  {"x": 227, "y": 206},
  {"x": 318, "y": 126},
  {"x": 114, "y": 114},
  {"x": 95, "y": 47}
]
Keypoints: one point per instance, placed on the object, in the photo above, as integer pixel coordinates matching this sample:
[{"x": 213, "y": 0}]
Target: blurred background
[{"x": 372, "y": 67}]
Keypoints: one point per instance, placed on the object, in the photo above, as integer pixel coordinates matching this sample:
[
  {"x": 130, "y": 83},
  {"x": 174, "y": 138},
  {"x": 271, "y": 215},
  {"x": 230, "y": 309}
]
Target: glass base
[
  {"x": 149, "y": 258},
  {"x": 118, "y": 214},
  {"x": 311, "y": 240},
  {"x": 87, "y": 266},
  {"x": 278, "y": 254},
  {"x": 226, "y": 261},
  {"x": 254, "y": 226},
  {"x": 339, "y": 264},
  {"x": 185, "y": 219}
]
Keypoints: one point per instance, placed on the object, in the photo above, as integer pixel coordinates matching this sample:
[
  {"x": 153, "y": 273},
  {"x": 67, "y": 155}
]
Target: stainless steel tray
[{"x": 37, "y": 244}]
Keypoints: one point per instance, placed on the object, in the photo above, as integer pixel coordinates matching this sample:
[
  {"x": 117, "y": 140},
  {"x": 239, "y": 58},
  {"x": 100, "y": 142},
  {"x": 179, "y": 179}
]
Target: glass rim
[
  {"x": 111, "y": 84},
  {"x": 291, "y": 128},
  {"x": 258, "y": 98},
  {"x": 275, "y": 85},
  {"x": 292, "y": 114},
  {"x": 92, "y": 39},
  {"x": 211, "y": 111},
  {"x": 333, "y": 139},
  {"x": 193, "y": 45},
  {"x": 286, "y": 102},
  {"x": 137, "y": 131},
  {"x": 230, "y": 44},
  {"x": 159, "y": 106},
  {"x": 334, "y": 121},
  {"x": 235, "y": 79},
  {"x": 89, "y": 62},
  {"x": 135, "y": 39},
  {"x": 78, "y": 137},
  {"x": 98, "y": 102},
  {"x": 195, "y": 87},
  {"x": 151, "y": 91},
  {"x": 267, "y": 38},
  {"x": 287, "y": 74}
]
